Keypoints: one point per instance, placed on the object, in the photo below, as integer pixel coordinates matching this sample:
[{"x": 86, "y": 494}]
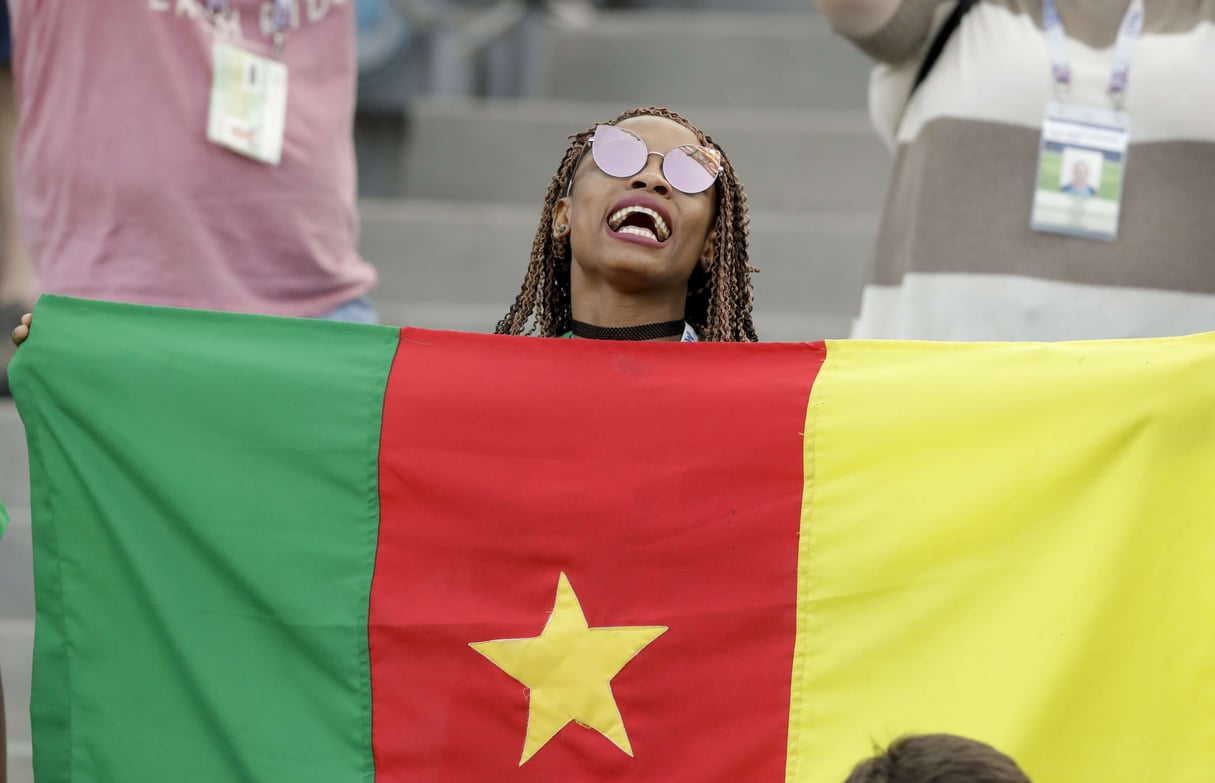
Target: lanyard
[
  {"x": 1056, "y": 47},
  {"x": 280, "y": 19}
]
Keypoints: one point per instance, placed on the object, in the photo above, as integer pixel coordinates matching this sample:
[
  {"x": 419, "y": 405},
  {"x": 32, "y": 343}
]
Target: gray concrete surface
[
  {"x": 788, "y": 160},
  {"x": 16, "y": 593},
  {"x": 458, "y": 265},
  {"x": 708, "y": 59}
]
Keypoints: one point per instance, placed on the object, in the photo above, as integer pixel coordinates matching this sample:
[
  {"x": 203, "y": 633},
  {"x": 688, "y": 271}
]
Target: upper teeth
[{"x": 619, "y": 215}]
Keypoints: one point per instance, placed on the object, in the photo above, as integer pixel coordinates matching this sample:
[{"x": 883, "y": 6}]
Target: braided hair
[{"x": 720, "y": 293}]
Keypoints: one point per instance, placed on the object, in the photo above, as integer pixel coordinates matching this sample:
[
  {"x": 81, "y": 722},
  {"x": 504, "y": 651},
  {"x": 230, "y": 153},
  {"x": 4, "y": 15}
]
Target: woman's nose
[{"x": 651, "y": 177}]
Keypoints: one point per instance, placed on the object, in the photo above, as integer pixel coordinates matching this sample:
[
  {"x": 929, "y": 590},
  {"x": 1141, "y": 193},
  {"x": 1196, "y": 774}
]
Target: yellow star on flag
[{"x": 568, "y": 670}]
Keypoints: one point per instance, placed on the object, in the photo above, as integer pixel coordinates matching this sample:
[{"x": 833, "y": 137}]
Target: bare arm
[
  {"x": 858, "y": 18},
  {"x": 887, "y": 30}
]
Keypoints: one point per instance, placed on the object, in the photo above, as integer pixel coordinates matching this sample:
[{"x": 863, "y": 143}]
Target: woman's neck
[{"x": 606, "y": 307}]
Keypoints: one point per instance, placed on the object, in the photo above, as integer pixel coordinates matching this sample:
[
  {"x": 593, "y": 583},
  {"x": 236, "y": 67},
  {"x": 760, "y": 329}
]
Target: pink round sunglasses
[{"x": 689, "y": 168}]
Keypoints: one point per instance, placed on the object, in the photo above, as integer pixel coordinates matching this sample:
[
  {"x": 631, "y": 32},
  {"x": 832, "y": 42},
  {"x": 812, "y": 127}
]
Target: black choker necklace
[{"x": 642, "y": 332}]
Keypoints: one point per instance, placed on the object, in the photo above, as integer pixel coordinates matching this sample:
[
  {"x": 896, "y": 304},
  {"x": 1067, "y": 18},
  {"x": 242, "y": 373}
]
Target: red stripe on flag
[{"x": 664, "y": 480}]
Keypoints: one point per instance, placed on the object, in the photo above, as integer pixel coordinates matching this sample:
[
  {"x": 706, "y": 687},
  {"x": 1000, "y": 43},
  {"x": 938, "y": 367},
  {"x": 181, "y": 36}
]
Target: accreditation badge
[
  {"x": 1081, "y": 166},
  {"x": 248, "y": 111}
]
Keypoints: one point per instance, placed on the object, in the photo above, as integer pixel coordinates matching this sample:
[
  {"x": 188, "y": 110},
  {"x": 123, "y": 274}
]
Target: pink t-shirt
[{"x": 122, "y": 197}]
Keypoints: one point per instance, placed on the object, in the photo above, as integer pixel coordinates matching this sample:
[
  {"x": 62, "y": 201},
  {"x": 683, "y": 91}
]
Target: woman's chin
[{"x": 640, "y": 272}]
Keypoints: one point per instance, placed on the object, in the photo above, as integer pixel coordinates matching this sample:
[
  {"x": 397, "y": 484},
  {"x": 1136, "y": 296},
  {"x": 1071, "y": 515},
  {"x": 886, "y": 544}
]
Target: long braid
[
  {"x": 719, "y": 299},
  {"x": 539, "y": 299}
]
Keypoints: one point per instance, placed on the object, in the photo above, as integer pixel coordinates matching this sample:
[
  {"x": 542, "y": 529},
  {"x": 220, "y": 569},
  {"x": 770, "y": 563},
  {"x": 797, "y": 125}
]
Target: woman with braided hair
[{"x": 645, "y": 238}]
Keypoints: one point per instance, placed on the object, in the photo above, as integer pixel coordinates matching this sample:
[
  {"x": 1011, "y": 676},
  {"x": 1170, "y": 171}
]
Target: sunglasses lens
[
  {"x": 617, "y": 152},
  {"x": 691, "y": 169}
]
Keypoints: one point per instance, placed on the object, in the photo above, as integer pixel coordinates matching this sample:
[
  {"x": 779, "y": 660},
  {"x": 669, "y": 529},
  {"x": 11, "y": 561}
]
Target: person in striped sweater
[{"x": 956, "y": 257}]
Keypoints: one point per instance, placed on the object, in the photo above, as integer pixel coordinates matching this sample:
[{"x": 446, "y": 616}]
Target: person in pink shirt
[{"x": 132, "y": 181}]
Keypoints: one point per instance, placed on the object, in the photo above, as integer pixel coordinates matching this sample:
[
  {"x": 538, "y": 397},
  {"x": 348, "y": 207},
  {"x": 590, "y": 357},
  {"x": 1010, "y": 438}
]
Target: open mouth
[{"x": 640, "y": 221}]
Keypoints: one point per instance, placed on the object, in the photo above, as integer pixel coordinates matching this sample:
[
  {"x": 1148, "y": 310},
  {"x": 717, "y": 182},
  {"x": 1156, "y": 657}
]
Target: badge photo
[{"x": 1081, "y": 161}]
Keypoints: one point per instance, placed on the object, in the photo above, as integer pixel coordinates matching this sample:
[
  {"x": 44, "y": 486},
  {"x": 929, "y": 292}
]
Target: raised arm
[
  {"x": 887, "y": 30},
  {"x": 858, "y": 18}
]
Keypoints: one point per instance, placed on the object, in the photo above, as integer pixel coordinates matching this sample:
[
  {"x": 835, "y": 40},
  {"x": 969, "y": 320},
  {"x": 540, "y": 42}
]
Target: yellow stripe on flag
[{"x": 1012, "y": 542}]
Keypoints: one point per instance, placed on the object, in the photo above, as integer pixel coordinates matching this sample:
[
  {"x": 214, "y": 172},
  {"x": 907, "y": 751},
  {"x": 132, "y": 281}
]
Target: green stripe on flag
[{"x": 205, "y": 530}]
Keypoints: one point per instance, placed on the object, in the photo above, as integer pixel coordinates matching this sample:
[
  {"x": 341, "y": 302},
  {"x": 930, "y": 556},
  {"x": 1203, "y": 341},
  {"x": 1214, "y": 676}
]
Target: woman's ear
[
  {"x": 561, "y": 218},
  {"x": 708, "y": 254}
]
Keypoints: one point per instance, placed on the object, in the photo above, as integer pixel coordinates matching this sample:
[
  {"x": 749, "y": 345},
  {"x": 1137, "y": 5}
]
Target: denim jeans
[{"x": 356, "y": 311}]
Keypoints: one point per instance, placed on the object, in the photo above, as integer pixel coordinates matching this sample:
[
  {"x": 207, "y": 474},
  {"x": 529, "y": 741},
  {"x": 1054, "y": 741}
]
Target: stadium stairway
[
  {"x": 16, "y": 593},
  {"x": 783, "y": 96}
]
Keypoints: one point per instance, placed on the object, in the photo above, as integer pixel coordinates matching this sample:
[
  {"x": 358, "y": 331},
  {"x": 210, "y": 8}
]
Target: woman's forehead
[{"x": 659, "y": 133}]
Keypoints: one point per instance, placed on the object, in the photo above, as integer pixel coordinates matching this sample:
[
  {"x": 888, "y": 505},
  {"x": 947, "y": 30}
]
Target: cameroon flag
[{"x": 279, "y": 550}]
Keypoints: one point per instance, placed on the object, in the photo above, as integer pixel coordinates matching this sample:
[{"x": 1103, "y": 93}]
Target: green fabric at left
[{"x": 205, "y": 511}]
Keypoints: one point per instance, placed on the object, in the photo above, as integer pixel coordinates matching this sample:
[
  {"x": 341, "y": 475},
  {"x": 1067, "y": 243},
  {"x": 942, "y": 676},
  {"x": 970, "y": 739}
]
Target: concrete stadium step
[
  {"x": 452, "y": 265},
  {"x": 16, "y": 547},
  {"x": 791, "y": 161},
  {"x": 16, "y": 566},
  {"x": 704, "y": 58},
  {"x": 16, "y": 593},
  {"x": 16, "y": 657},
  {"x": 14, "y": 470},
  {"x": 20, "y": 763}
]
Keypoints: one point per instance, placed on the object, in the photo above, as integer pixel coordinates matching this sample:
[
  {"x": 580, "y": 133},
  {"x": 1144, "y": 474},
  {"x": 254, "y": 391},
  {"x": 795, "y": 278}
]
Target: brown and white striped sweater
[{"x": 955, "y": 257}]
